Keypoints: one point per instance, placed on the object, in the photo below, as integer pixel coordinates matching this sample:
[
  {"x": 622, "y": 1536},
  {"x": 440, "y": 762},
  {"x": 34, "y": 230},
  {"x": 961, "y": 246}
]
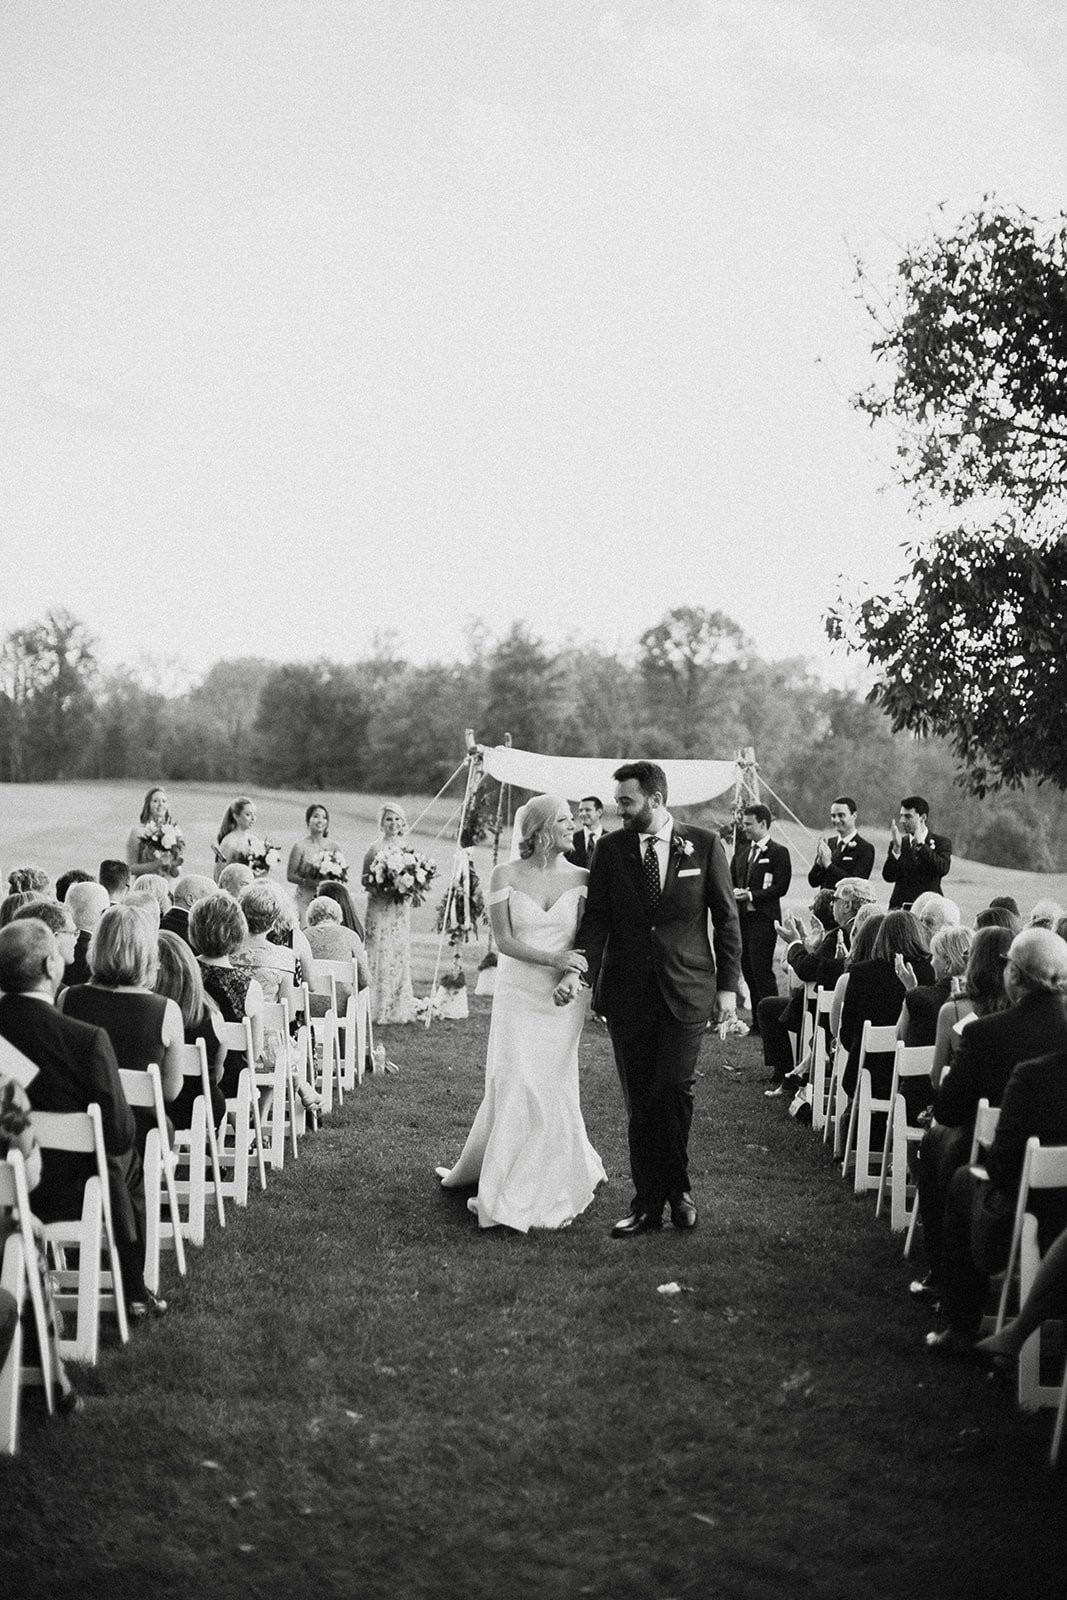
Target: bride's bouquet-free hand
[
  {"x": 399, "y": 873},
  {"x": 332, "y": 865},
  {"x": 262, "y": 855}
]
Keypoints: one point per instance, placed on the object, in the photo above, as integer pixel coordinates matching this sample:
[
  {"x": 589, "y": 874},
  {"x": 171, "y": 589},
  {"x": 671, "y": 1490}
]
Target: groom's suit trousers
[{"x": 656, "y": 1056}]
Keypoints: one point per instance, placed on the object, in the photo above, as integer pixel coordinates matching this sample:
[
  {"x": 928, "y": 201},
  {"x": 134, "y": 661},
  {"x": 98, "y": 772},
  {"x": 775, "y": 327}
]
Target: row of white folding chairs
[{"x": 1043, "y": 1168}]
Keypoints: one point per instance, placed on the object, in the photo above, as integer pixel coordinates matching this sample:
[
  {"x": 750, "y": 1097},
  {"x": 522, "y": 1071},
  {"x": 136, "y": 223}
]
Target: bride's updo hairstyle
[{"x": 538, "y": 820}]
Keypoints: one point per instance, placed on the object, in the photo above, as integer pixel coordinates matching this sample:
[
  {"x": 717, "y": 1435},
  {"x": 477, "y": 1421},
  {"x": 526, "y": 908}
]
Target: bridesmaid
[
  {"x": 304, "y": 857},
  {"x": 389, "y": 932},
  {"x": 141, "y": 853},
  {"x": 235, "y": 835}
]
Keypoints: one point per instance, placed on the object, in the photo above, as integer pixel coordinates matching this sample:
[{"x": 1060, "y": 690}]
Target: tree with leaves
[
  {"x": 691, "y": 663},
  {"x": 971, "y": 645}
]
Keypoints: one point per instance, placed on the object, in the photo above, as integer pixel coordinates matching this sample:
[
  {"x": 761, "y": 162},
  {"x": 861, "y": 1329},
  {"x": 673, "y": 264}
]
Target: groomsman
[
  {"x": 847, "y": 854},
  {"x": 761, "y": 872},
  {"x": 917, "y": 859},
  {"x": 589, "y": 833}
]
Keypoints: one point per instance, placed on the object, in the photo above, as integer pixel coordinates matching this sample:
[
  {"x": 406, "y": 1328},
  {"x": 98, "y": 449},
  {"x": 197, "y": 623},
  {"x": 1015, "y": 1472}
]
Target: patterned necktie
[{"x": 650, "y": 863}]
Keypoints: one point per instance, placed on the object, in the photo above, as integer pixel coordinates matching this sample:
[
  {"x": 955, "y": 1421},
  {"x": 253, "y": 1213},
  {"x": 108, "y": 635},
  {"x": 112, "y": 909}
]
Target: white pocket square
[{"x": 689, "y": 872}]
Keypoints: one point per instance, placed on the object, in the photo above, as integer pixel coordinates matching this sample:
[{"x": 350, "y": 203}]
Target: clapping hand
[
  {"x": 822, "y": 853},
  {"x": 894, "y": 836},
  {"x": 905, "y": 972},
  {"x": 790, "y": 929}
]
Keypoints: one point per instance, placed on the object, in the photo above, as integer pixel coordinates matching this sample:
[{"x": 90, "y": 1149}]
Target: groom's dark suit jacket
[{"x": 624, "y": 945}]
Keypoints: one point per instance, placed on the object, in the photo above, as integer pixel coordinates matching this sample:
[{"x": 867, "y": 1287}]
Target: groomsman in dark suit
[
  {"x": 917, "y": 859},
  {"x": 589, "y": 832},
  {"x": 846, "y": 855},
  {"x": 761, "y": 872}
]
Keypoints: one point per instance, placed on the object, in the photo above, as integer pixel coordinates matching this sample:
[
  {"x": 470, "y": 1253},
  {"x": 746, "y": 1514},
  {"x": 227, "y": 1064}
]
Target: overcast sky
[{"x": 326, "y": 317}]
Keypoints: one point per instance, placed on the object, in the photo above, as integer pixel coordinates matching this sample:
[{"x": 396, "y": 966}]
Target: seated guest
[
  {"x": 237, "y": 876},
  {"x": 998, "y": 917},
  {"x": 146, "y": 903},
  {"x": 187, "y": 891},
  {"x": 875, "y": 994},
  {"x": 330, "y": 940},
  {"x": 76, "y": 1067},
  {"x": 979, "y": 1212},
  {"x": 64, "y": 881},
  {"x": 935, "y": 912},
  {"x": 1046, "y": 914},
  {"x": 1008, "y": 901},
  {"x": 58, "y": 920},
  {"x": 119, "y": 997},
  {"x": 152, "y": 883},
  {"x": 990, "y": 1047},
  {"x": 22, "y": 880},
  {"x": 350, "y": 917},
  {"x": 217, "y": 930},
  {"x": 115, "y": 878},
  {"x": 980, "y": 995},
  {"x": 917, "y": 1024},
  {"x": 178, "y": 977},
  {"x": 86, "y": 903},
  {"x": 864, "y": 932},
  {"x": 16, "y": 1133},
  {"x": 287, "y": 931},
  {"x": 14, "y": 902},
  {"x": 818, "y": 958},
  {"x": 273, "y": 966},
  {"x": 1046, "y": 1302}
]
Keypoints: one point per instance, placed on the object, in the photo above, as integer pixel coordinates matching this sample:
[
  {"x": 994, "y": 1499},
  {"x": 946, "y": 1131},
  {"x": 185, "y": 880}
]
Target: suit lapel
[{"x": 632, "y": 859}]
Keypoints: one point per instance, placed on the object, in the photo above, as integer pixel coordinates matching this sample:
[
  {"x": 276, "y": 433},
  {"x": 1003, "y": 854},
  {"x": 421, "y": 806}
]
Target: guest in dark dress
[
  {"x": 875, "y": 993},
  {"x": 143, "y": 1026},
  {"x": 217, "y": 928},
  {"x": 178, "y": 977}
]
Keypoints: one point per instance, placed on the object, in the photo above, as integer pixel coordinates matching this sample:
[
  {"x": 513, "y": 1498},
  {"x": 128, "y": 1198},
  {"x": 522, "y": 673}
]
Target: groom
[{"x": 644, "y": 934}]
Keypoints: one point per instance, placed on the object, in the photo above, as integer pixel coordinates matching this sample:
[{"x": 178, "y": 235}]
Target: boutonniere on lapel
[{"x": 682, "y": 848}]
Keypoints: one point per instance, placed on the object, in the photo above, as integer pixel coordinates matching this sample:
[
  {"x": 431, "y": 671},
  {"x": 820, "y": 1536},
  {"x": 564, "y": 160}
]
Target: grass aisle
[{"x": 357, "y": 1393}]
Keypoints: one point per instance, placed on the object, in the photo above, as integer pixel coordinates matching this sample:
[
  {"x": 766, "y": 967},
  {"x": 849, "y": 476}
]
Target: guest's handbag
[{"x": 801, "y": 1103}]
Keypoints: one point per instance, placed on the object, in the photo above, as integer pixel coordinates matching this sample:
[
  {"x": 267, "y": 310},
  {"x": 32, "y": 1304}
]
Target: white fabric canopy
[{"x": 688, "y": 782}]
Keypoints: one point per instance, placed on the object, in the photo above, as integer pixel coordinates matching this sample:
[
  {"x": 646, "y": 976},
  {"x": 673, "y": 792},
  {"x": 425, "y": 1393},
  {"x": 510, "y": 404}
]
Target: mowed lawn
[{"x": 358, "y": 1393}]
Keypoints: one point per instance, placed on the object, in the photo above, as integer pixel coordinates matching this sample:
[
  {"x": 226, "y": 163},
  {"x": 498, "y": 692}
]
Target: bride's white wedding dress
[{"x": 528, "y": 1151}]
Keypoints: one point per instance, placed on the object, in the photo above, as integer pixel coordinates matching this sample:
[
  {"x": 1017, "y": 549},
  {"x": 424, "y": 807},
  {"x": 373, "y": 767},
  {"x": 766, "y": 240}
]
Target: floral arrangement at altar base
[
  {"x": 333, "y": 866},
  {"x": 262, "y": 855},
  {"x": 399, "y": 873},
  {"x": 450, "y": 996}
]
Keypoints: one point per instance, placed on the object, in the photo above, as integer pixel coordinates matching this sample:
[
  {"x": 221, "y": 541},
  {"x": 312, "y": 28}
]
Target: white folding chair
[
  {"x": 820, "y": 1050},
  {"x": 803, "y": 1038},
  {"x": 352, "y": 1049},
  {"x": 276, "y": 1084},
  {"x": 144, "y": 1088},
  {"x": 873, "y": 1041},
  {"x": 194, "y": 1146},
  {"x": 92, "y": 1287},
  {"x": 909, "y": 1061},
  {"x": 243, "y": 1132},
  {"x": 324, "y": 1046},
  {"x": 985, "y": 1127},
  {"x": 303, "y": 1050},
  {"x": 1044, "y": 1167},
  {"x": 1061, "y": 1417},
  {"x": 21, "y": 1277}
]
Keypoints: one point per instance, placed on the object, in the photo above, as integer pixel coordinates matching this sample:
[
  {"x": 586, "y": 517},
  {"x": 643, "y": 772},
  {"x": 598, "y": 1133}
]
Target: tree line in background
[{"x": 695, "y": 687}]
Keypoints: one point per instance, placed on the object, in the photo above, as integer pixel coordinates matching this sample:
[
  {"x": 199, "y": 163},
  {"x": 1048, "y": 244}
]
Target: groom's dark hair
[{"x": 649, "y": 778}]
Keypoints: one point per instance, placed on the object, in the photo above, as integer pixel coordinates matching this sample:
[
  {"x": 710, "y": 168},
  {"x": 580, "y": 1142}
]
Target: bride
[{"x": 528, "y": 1151}]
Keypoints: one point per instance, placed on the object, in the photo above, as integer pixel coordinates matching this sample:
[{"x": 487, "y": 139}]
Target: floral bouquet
[
  {"x": 463, "y": 905},
  {"x": 262, "y": 855},
  {"x": 164, "y": 844},
  {"x": 332, "y": 865},
  {"x": 399, "y": 873}
]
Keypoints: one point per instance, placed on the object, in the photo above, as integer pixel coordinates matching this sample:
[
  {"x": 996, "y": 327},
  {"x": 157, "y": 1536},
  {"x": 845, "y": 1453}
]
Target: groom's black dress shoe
[
  {"x": 683, "y": 1211},
  {"x": 636, "y": 1222}
]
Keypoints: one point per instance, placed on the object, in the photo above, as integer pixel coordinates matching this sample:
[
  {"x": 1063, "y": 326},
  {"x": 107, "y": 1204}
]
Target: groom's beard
[{"x": 639, "y": 821}]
